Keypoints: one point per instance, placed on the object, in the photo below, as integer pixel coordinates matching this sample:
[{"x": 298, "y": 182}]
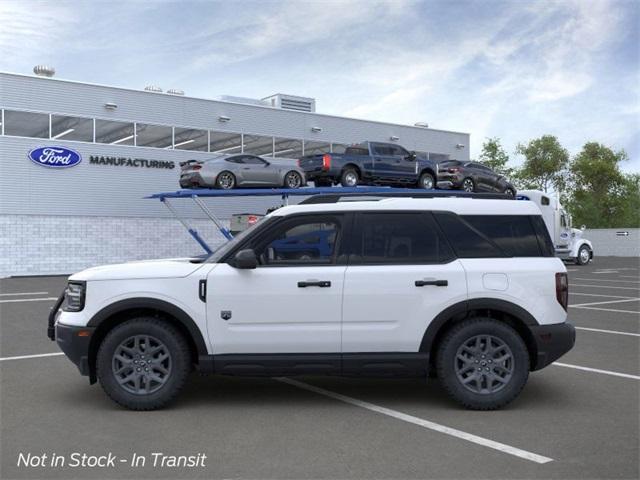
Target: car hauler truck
[{"x": 567, "y": 241}]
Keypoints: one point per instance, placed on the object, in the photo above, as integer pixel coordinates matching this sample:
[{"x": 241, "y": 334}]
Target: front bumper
[
  {"x": 74, "y": 342},
  {"x": 552, "y": 341}
]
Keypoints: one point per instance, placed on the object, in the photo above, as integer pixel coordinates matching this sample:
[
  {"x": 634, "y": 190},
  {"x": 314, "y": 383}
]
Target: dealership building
[{"x": 128, "y": 145}]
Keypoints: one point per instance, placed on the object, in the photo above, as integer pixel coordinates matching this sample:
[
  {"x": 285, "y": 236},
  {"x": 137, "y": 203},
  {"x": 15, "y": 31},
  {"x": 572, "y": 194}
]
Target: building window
[
  {"x": 225, "y": 142},
  {"x": 26, "y": 124},
  {"x": 71, "y": 128},
  {"x": 314, "y": 148},
  {"x": 190, "y": 139},
  {"x": 287, "y": 148},
  {"x": 114, "y": 133},
  {"x": 258, "y": 145},
  {"x": 157, "y": 136}
]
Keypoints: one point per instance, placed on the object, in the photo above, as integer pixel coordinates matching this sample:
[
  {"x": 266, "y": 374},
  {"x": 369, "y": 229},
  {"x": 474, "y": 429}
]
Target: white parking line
[
  {"x": 608, "y": 310},
  {"x": 605, "y": 272},
  {"x": 23, "y": 357},
  {"x": 597, "y": 295},
  {"x": 608, "y": 331},
  {"x": 605, "y": 286},
  {"x": 606, "y": 280},
  {"x": 22, "y": 293},
  {"x": 14, "y": 300},
  {"x": 605, "y": 302},
  {"x": 485, "y": 442},
  {"x": 597, "y": 370},
  {"x": 628, "y": 276}
]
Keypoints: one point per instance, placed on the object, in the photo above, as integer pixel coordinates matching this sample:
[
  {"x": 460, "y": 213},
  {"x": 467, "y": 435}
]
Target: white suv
[{"x": 466, "y": 289}]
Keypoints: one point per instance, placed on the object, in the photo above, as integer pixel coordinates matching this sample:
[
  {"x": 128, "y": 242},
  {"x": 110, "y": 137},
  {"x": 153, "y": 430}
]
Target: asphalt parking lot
[{"x": 578, "y": 418}]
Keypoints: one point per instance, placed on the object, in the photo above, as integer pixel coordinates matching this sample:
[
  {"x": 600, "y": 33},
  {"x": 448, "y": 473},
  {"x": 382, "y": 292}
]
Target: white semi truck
[{"x": 567, "y": 241}]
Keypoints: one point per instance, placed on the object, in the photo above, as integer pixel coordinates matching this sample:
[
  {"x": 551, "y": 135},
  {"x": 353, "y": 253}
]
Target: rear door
[
  {"x": 401, "y": 274},
  {"x": 384, "y": 160}
]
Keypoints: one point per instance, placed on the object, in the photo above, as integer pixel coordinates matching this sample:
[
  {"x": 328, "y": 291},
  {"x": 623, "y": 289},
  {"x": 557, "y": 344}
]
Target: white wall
[{"x": 607, "y": 242}]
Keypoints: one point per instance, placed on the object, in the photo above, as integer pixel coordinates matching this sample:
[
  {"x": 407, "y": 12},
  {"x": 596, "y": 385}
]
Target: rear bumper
[
  {"x": 74, "y": 342},
  {"x": 454, "y": 180},
  {"x": 552, "y": 342},
  {"x": 191, "y": 180}
]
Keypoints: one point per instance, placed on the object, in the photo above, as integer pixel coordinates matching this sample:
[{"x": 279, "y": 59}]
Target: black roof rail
[{"x": 375, "y": 196}]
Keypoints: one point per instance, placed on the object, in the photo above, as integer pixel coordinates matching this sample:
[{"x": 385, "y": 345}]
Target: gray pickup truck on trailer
[{"x": 371, "y": 163}]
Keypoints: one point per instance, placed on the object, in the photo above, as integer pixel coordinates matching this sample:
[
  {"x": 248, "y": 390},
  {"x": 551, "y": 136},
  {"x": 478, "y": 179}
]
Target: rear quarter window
[
  {"x": 466, "y": 240},
  {"x": 514, "y": 234}
]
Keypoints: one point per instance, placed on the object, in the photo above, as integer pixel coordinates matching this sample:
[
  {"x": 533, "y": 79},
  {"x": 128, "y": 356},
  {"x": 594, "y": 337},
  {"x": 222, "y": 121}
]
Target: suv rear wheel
[
  {"x": 468, "y": 185},
  {"x": 143, "y": 363},
  {"x": 483, "y": 363}
]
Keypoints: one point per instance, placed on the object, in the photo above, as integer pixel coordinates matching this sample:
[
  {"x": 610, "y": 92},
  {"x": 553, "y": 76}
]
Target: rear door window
[
  {"x": 514, "y": 234},
  {"x": 398, "y": 238}
]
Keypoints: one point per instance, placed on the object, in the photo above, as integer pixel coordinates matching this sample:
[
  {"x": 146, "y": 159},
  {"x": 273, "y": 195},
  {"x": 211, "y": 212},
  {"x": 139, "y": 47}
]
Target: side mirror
[
  {"x": 412, "y": 156},
  {"x": 245, "y": 259},
  {"x": 583, "y": 228}
]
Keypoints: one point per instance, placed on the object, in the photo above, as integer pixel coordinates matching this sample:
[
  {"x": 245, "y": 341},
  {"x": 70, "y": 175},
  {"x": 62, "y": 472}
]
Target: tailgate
[{"x": 312, "y": 163}]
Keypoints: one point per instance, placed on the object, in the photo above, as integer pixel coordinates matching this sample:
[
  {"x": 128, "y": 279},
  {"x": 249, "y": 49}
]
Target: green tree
[
  {"x": 494, "y": 156},
  {"x": 545, "y": 164},
  {"x": 601, "y": 196}
]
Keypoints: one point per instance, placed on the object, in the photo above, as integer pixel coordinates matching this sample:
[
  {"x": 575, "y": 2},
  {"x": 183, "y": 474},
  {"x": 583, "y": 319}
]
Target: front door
[
  {"x": 401, "y": 274},
  {"x": 292, "y": 302}
]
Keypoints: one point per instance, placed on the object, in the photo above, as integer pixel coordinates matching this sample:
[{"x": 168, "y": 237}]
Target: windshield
[{"x": 216, "y": 256}]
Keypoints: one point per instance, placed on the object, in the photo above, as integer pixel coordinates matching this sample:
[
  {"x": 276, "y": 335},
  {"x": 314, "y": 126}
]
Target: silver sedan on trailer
[{"x": 241, "y": 170}]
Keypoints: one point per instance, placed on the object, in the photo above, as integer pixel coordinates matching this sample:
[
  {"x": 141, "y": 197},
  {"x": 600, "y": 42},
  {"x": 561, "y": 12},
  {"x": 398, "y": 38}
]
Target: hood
[
  {"x": 163, "y": 268},
  {"x": 576, "y": 233}
]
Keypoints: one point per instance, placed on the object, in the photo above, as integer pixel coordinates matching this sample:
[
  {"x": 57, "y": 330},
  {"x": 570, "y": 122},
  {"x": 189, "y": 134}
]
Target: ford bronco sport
[{"x": 466, "y": 289}]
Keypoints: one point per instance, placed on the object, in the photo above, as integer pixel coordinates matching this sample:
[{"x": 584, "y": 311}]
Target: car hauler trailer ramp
[{"x": 317, "y": 195}]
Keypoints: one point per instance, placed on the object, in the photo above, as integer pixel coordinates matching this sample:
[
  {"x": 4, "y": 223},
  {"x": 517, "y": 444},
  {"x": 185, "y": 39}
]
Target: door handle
[
  {"x": 437, "y": 283},
  {"x": 314, "y": 283}
]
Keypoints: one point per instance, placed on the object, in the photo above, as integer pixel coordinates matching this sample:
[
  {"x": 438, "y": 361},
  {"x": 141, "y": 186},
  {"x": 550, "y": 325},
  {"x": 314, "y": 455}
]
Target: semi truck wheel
[{"x": 584, "y": 255}]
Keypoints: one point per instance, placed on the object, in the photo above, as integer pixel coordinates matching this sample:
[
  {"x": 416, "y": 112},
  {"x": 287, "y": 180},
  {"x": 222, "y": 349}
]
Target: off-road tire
[
  {"x": 446, "y": 363},
  {"x": 177, "y": 347}
]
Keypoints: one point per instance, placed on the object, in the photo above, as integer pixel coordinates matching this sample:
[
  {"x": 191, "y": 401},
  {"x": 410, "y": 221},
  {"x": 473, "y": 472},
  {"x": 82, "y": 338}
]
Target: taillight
[
  {"x": 326, "y": 161},
  {"x": 196, "y": 167},
  {"x": 299, "y": 163},
  {"x": 562, "y": 289},
  {"x": 453, "y": 170},
  {"x": 252, "y": 219}
]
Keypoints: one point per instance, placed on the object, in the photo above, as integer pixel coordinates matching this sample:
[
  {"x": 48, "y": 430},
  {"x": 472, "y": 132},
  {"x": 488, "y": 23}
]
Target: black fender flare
[
  {"x": 153, "y": 304},
  {"x": 460, "y": 310}
]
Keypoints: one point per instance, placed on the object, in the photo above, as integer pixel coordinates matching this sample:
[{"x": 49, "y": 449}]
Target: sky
[{"x": 514, "y": 70}]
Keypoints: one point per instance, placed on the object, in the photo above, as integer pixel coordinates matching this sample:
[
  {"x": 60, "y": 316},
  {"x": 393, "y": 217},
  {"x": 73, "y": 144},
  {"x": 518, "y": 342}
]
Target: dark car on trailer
[
  {"x": 472, "y": 177},
  {"x": 371, "y": 163}
]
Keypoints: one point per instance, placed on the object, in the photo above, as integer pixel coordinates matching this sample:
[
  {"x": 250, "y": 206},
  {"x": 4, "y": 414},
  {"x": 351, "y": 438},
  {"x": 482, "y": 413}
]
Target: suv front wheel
[
  {"x": 483, "y": 363},
  {"x": 143, "y": 363}
]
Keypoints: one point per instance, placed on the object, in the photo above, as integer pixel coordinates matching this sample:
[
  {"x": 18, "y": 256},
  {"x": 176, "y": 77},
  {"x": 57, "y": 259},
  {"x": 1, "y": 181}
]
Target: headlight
[{"x": 75, "y": 296}]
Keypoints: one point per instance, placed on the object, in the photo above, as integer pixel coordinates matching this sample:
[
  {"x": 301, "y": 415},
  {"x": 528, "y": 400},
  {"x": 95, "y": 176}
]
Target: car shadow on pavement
[{"x": 258, "y": 392}]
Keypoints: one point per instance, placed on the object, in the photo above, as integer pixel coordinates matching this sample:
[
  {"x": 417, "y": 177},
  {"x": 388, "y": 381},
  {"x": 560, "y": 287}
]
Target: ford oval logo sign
[{"x": 55, "y": 157}]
